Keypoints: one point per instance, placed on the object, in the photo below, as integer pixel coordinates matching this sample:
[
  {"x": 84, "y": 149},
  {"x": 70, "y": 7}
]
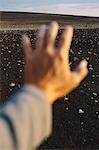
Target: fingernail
[
  {"x": 27, "y": 39},
  {"x": 69, "y": 28},
  {"x": 84, "y": 63},
  {"x": 24, "y": 36},
  {"x": 54, "y": 23},
  {"x": 42, "y": 31}
]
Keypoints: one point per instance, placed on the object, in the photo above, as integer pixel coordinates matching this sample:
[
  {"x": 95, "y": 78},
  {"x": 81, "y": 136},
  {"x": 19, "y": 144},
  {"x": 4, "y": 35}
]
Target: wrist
[{"x": 32, "y": 87}]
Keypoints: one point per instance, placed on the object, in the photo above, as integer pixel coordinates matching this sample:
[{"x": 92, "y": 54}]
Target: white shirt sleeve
[{"x": 26, "y": 119}]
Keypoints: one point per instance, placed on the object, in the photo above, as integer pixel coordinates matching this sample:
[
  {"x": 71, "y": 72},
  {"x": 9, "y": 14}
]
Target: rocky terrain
[{"x": 76, "y": 116}]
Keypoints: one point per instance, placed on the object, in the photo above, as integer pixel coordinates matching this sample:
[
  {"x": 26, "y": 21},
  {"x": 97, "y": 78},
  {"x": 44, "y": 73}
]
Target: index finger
[{"x": 27, "y": 47}]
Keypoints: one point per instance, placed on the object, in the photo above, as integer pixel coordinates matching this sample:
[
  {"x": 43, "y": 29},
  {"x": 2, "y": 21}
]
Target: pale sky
[{"x": 69, "y": 7}]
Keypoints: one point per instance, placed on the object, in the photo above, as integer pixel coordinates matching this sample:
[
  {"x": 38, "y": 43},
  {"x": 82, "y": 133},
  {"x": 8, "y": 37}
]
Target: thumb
[{"x": 81, "y": 72}]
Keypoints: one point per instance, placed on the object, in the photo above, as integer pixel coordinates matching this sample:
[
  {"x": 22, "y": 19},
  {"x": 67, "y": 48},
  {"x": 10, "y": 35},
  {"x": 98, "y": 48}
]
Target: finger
[
  {"x": 28, "y": 51},
  {"x": 81, "y": 72},
  {"x": 65, "y": 42},
  {"x": 51, "y": 37},
  {"x": 40, "y": 37}
]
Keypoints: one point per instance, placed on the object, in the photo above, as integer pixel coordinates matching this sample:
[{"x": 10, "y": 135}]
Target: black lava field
[{"x": 75, "y": 116}]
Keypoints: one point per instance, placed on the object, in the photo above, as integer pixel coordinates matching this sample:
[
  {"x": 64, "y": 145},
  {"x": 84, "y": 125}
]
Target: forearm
[{"x": 30, "y": 115}]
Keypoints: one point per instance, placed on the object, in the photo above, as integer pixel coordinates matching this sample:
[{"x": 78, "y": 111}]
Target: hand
[{"x": 48, "y": 67}]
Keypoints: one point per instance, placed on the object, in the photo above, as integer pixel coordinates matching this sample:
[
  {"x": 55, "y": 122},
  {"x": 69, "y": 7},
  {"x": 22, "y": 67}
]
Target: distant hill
[{"x": 22, "y": 20}]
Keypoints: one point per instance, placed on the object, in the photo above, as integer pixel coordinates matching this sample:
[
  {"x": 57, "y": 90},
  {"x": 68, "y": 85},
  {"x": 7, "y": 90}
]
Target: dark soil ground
[{"x": 76, "y": 116}]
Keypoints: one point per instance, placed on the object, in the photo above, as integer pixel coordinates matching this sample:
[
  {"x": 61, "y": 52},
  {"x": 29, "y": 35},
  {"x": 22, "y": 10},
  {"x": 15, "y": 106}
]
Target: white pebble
[
  {"x": 66, "y": 108},
  {"x": 66, "y": 98},
  {"x": 81, "y": 111},
  {"x": 96, "y": 101},
  {"x": 94, "y": 93},
  {"x": 12, "y": 84},
  {"x": 82, "y": 123}
]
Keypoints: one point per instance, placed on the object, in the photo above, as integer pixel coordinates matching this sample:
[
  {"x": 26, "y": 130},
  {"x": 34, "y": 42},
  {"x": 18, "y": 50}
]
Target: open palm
[{"x": 48, "y": 67}]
